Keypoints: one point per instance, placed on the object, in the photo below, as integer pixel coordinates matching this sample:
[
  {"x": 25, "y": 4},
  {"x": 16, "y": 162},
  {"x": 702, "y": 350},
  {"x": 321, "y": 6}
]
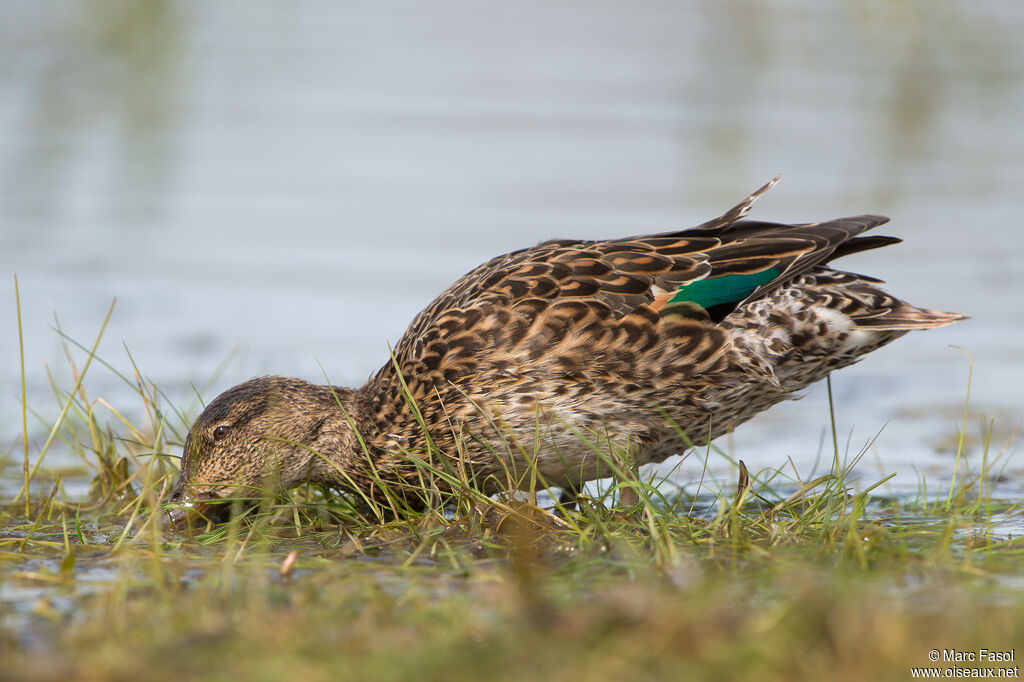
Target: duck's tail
[{"x": 906, "y": 317}]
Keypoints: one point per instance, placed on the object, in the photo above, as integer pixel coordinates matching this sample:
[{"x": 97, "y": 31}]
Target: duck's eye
[{"x": 220, "y": 432}]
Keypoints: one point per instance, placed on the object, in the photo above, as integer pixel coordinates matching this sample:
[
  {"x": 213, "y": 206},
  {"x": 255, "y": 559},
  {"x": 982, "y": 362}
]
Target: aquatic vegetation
[{"x": 766, "y": 576}]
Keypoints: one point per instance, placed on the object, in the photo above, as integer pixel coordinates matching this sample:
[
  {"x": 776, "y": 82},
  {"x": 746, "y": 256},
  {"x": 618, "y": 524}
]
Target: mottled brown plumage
[{"x": 533, "y": 360}]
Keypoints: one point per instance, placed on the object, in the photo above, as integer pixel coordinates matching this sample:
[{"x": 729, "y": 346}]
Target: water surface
[{"x": 285, "y": 189}]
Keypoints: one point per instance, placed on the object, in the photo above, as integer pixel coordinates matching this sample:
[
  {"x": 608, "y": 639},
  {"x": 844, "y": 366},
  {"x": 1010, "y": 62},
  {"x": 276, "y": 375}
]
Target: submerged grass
[{"x": 773, "y": 578}]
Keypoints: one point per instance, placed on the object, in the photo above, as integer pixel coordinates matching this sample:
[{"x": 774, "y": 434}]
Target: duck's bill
[{"x": 185, "y": 512}]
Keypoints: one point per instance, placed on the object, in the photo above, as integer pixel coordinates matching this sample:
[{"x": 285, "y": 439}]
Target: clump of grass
[{"x": 773, "y": 577}]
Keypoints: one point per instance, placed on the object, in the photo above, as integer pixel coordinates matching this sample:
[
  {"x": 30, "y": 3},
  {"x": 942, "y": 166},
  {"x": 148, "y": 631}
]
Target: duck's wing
[{"x": 522, "y": 305}]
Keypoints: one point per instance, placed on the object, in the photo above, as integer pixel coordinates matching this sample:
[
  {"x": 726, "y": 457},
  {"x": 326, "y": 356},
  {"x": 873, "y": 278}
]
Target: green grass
[{"x": 768, "y": 577}]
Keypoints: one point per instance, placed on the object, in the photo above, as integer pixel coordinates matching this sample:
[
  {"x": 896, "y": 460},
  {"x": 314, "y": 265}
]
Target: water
[{"x": 288, "y": 188}]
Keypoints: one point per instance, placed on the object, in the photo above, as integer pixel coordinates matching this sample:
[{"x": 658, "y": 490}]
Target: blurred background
[{"x": 278, "y": 188}]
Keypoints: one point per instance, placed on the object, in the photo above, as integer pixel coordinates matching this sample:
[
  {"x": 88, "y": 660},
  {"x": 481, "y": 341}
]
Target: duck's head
[{"x": 256, "y": 439}]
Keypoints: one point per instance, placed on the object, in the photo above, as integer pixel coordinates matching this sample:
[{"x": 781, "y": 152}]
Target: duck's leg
[
  {"x": 629, "y": 498},
  {"x": 628, "y": 474}
]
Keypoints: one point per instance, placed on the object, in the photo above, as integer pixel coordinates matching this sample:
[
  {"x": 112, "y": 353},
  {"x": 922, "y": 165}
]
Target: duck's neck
[
  {"x": 363, "y": 445},
  {"x": 337, "y": 455}
]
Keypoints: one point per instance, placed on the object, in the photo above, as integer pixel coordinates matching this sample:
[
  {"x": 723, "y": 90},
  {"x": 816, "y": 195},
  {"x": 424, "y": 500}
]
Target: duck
[{"x": 557, "y": 364}]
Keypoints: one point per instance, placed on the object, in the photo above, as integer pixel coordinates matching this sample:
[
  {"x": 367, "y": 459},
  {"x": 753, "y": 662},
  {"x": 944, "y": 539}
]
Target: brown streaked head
[{"x": 257, "y": 438}]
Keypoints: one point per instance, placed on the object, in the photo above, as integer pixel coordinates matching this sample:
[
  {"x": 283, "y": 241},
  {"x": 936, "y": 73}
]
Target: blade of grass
[
  {"x": 55, "y": 430},
  {"x": 832, "y": 423},
  {"x": 963, "y": 428},
  {"x": 24, "y": 403}
]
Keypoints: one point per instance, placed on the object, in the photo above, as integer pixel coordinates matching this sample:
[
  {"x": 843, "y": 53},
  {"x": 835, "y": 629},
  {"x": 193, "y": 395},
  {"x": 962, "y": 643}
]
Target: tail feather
[
  {"x": 858, "y": 244},
  {"x": 906, "y": 317}
]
